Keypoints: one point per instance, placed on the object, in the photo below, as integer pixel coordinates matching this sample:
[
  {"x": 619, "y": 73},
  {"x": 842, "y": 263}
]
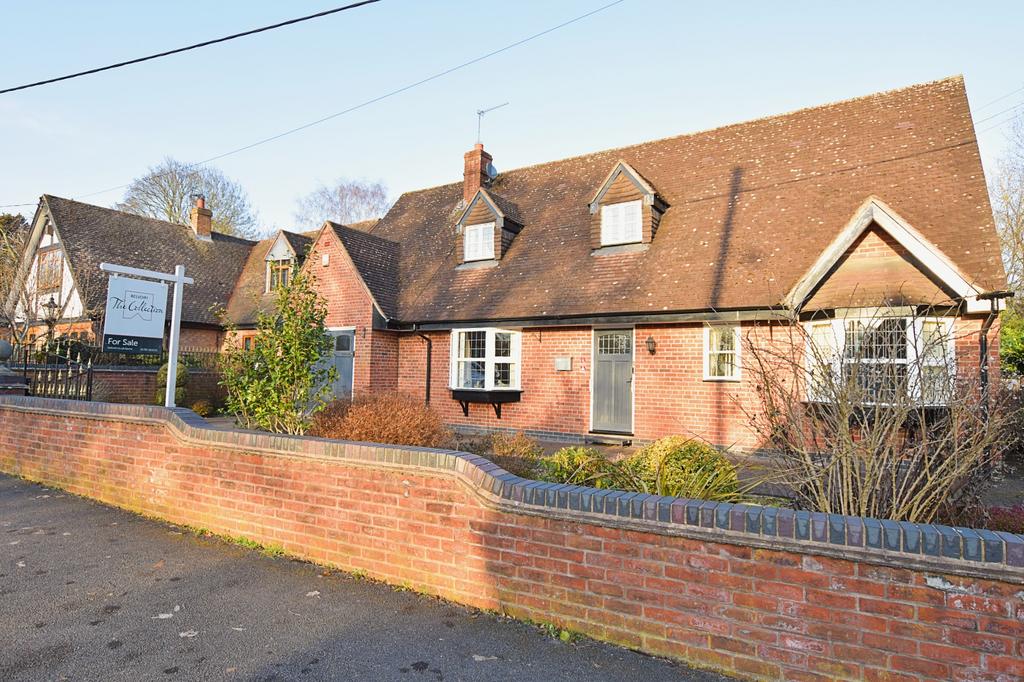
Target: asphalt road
[{"x": 88, "y": 592}]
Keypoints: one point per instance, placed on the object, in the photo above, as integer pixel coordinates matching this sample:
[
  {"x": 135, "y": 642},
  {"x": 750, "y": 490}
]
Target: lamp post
[{"x": 52, "y": 313}]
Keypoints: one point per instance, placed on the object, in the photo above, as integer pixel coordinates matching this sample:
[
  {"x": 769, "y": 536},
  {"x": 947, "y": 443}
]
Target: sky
[{"x": 636, "y": 71}]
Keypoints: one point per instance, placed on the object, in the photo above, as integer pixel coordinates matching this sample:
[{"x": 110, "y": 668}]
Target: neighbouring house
[
  {"x": 610, "y": 295},
  {"x": 60, "y": 285}
]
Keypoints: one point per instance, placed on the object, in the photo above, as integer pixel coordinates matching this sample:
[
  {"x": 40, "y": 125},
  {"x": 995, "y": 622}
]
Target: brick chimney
[
  {"x": 202, "y": 219},
  {"x": 475, "y": 174}
]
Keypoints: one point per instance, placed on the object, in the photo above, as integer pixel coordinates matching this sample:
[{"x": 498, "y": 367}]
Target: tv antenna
[{"x": 480, "y": 118}]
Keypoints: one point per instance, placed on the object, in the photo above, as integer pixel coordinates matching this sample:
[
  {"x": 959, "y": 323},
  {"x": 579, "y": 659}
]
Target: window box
[
  {"x": 493, "y": 398},
  {"x": 485, "y": 366}
]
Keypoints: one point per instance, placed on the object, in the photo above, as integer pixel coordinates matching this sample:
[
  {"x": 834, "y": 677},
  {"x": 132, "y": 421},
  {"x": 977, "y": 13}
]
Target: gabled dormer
[
  {"x": 486, "y": 228},
  {"x": 283, "y": 257},
  {"x": 626, "y": 209}
]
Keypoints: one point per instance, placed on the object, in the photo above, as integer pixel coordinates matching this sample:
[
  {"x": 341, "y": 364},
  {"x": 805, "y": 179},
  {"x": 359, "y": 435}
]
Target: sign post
[{"x": 136, "y": 311}]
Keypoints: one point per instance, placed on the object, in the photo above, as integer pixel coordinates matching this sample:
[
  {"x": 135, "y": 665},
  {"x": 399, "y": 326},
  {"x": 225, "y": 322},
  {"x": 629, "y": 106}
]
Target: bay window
[
  {"x": 885, "y": 359},
  {"x": 485, "y": 359}
]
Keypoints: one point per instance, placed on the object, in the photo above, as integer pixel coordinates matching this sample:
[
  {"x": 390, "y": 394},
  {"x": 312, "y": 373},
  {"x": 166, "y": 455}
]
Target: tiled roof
[
  {"x": 300, "y": 243},
  {"x": 92, "y": 235},
  {"x": 376, "y": 260},
  {"x": 751, "y": 206},
  {"x": 250, "y": 296}
]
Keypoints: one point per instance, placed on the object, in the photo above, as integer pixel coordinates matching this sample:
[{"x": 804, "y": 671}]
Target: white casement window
[
  {"x": 722, "y": 353},
  {"x": 478, "y": 242},
  {"x": 622, "y": 223},
  {"x": 485, "y": 359},
  {"x": 886, "y": 358}
]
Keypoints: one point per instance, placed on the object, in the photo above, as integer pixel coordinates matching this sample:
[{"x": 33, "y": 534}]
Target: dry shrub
[
  {"x": 328, "y": 421},
  {"x": 851, "y": 431},
  {"x": 516, "y": 453},
  {"x": 1007, "y": 519},
  {"x": 392, "y": 418}
]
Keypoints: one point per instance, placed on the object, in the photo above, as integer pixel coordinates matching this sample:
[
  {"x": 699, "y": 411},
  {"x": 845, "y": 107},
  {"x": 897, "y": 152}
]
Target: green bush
[
  {"x": 673, "y": 466},
  {"x": 682, "y": 467},
  {"x": 579, "y": 465},
  {"x": 282, "y": 381},
  {"x": 202, "y": 407},
  {"x": 181, "y": 383}
]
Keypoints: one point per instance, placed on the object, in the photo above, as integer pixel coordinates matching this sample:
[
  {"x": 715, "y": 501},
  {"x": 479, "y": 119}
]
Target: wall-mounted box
[{"x": 563, "y": 364}]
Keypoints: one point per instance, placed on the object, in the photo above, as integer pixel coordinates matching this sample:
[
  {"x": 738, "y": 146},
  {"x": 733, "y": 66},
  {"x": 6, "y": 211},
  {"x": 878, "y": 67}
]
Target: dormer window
[
  {"x": 622, "y": 223},
  {"x": 486, "y": 228},
  {"x": 625, "y": 210},
  {"x": 478, "y": 242},
  {"x": 278, "y": 274}
]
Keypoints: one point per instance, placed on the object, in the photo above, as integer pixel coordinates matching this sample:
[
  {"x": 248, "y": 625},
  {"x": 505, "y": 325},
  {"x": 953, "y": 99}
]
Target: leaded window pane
[
  {"x": 474, "y": 344},
  {"x": 503, "y": 345},
  {"x": 503, "y": 375}
]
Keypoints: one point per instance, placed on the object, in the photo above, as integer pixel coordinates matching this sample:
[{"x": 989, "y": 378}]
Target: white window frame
[
  {"x": 707, "y": 352},
  {"x": 489, "y": 359},
  {"x": 913, "y": 360},
  {"x": 481, "y": 248},
  {"x": 626, "y": 233}
]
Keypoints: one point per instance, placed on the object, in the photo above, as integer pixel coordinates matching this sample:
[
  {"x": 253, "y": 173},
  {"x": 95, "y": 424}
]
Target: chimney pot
[
  {"x": 202, "y": 219},
  {"x": 475, "y": 171}
]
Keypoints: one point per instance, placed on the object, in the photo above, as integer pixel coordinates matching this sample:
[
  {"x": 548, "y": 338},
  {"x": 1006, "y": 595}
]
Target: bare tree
[
  {"x": 869, "y": 417},
  {"x": 166, "y": 192},
  {"x": 1007, "y": 192},
  {"x": 346, "y": 201},
  {"x": 13, "y": 235}
]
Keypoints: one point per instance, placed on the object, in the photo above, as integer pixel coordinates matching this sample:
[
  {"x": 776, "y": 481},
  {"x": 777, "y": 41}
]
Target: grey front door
[
  {"x": 342, "y": 358},
  {"x": 613, "y": 380}
]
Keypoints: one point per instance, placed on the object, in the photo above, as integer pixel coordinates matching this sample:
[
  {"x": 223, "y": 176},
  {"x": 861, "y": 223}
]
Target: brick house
[
  {"x": 60, "y": 283},
  {"x": 610, "y": 295}
]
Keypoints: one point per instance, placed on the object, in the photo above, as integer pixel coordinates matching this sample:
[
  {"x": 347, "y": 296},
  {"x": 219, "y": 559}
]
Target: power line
[
  {"x": 1000, "y": 113},
  {"x": 1011, "y": 119},
  {"x": 1001, "y": 98},
  {"x": 368, "y": 102},
  {"x": 205, "y": 43}
]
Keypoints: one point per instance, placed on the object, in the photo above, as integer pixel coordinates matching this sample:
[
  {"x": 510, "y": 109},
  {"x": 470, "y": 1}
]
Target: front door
[
  {"x": 613, "y": 381},
  {"x": 342, "y": 358}
]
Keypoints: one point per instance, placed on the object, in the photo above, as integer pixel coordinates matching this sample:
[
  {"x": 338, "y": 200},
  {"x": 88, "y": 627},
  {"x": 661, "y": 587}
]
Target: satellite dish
[{"x": 491, "y": 172}]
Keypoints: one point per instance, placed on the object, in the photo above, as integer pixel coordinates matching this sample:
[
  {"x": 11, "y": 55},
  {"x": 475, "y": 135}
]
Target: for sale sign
[{"x": 136, "y": 310}]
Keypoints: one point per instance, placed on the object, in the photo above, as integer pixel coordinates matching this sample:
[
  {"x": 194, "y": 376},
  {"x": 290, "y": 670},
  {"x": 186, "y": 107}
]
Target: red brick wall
[
  {"x": 138, "y": 386},
  {"x": 555, "y": 402},
  {"x": 671, "y": 395},
  {"x": 375, "y": 364},
  {"x": 729, "y": 600},
  {"x": 200, "y": 339}
]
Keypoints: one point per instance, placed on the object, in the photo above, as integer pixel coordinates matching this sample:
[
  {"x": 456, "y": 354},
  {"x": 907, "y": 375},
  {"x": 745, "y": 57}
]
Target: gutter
[
  {"x": 430, "y": 354},
  {"x": 993, "y": 298},
  {"x": 587, "y": 320}
]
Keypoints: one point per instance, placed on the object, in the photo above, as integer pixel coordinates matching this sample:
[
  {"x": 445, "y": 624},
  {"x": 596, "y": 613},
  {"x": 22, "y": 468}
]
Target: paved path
[{"x": 93, "y": 593}]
